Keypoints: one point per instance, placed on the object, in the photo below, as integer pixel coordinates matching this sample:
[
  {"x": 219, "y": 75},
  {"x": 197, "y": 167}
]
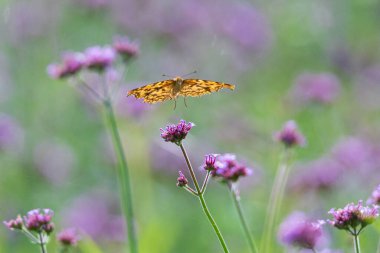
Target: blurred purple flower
[
  {"x": 244, "y": 25},
  {"x": 99, "y": 58},
  {"x": 94, "y": 4},
  {"x": 297, "y": 230},
  {"x": 322, "y": 88},
  {"x": 375, "y": 197},
  {"x": 352, "y": 216},
  {"x": 68, "y": 237},
  {"x": 176, "y": 133},
  {"x": 181, "y": 180},
  {"x": 228, "y": 169},
  {"x": 127, "y": 107},
  {"x": 367, "y": 87},
  {"x": 11, "y": 134},
  {"x": 125, "y": 47},
  {"x": 317, "y": 175},
  {"x": 354, "y": 153},
  {"x": 71, "y": 64},
  {"x": 95, "y": 215},
  {"x": 290, "y": 135},
  {"x": 54, "y": 161}
]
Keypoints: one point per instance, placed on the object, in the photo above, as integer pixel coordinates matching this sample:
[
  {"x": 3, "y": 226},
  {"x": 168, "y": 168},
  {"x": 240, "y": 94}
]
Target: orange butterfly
[{"x": 172, "y": 88}]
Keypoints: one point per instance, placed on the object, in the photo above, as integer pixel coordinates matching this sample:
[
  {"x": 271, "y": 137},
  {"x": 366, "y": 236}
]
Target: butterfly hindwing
[
  {"x": 154, "y": 92},
  {"x": 199, "y": 87}
]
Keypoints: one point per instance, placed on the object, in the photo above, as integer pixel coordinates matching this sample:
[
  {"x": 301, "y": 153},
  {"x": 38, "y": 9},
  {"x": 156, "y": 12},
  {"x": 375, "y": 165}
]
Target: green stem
[
  {"x": 275, "y": 201},
  {"x": 250, "y": 240},
  {"x": 123, "y": 177},
  {"x": 42, "y": 244},
  {"x": 356, "y": 243},
  {"x": 203, "y": 202}
]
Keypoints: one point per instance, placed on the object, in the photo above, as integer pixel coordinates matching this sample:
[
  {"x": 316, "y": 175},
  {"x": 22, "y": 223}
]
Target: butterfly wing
[
  {"x": 154, "y": 92},
  {"x": 199, "y": 87}
]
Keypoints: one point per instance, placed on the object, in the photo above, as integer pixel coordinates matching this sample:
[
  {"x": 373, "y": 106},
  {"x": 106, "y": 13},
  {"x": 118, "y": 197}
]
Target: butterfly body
[{"x": 172, "y": 88}]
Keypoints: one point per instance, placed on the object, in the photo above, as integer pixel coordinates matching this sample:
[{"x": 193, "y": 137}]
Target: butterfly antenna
[
  {"x": 168, "y": 76},
  {"x": 190, "y": 73},
  {"x": 184, "y": 100}
]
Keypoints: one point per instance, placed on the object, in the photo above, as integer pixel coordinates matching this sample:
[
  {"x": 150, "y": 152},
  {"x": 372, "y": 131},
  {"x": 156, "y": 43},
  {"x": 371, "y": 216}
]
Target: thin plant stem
[
  {"x": 250, "y": 240},
  {"x": 122, "y": 171},
  {"x": 314, "y": 250},
  {"x": 356, "y": 242},
  {"x": 275, "y": 201},
  {"x": 123, "y": 177},
  {"x": 190, "y": 190},
  {"x": 42, "y": 243},
  {"x": 203, "y": 201},
  {"x": 205, "y": 182}
]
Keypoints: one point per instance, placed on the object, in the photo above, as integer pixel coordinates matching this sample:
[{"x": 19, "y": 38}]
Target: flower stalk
[
  {"x": 122, "y": 176},
  {"x": 200, "y": 195},
  {"x": 236, "y": 199},
  {"x": 356, "y": 243}
]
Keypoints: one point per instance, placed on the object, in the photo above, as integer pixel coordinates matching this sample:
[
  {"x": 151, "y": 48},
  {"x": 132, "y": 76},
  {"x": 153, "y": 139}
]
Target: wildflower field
[{"x": 144, "y": 126}]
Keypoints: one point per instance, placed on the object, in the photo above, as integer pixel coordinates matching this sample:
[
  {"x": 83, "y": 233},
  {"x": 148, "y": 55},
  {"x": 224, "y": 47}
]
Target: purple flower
[
  {"x": 11, "y": 134},
  {"x": 125, "y": 48},
  {"x": 176, "y": 133},
  {"x": 354, "y": 153},
  {"x": 375, "y": 197},
  {"x": 99, "y": 58},
  {"x": 71, "y": 64},
  {"x": 352, "y": 216},
  {"x": 290, "y": 135},
  {"x": 14, "y": 224},
  {"x": 299, "y": 231},
  {"x": 181, "y": 180},
  {"x": 97, "y": 214},
  {"x": 39, "y": 220},
  {"x": 210, "y": 162},
  {"x": 54, "y": 161},
  {"x": 68, "y": 237},
  {"x": 228, "y": 169},
  {"x": 322, "y": 88},
  {"x": 317, "y": 175}
]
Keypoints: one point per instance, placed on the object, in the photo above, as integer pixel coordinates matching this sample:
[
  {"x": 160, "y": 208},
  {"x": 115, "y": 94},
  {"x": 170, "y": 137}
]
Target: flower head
[
  {"x": 210, "y": 162},
  {"x": 39, "y": 220},
  {"x": 290, "y": 135},
  {"x": 181, "y": 180},
  {"x": 322, "y": 88},
  {"x": 352, "y": 216},
  {"x": 99, "y": 58},
  {"x": 14, "y": 224},
  {"x": 125, "y": 48},
  {"x": 375, "y": 197},
  {"x": 68, "y": 237},
  {"x": 228, "y": 169},
  {"x": 176, "y": 133},
  {"x": 297, "y": 230},
  {"x": 71, "y": 64}
]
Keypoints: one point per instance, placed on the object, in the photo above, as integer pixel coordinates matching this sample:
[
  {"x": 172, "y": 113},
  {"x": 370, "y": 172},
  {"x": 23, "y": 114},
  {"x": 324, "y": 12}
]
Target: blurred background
[{"x": 316, "y": 62}]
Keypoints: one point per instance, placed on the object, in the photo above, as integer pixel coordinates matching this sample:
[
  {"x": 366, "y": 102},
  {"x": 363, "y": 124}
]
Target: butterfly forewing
[
  {"x": 199, "y": 87},
  {"x": 154, "y": 92}
]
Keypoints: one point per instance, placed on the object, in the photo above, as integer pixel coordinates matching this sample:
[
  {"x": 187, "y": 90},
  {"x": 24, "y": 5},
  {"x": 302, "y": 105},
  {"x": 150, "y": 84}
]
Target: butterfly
[{"x": 172, "y": 88}]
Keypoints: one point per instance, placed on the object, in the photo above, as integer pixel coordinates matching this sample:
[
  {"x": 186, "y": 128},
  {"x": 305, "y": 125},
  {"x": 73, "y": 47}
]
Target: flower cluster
[
  {"x": 352, "y": 216},
  {"x": 68, "y": 237},
  {"x": 290, "y": 135},
  {"x": 36, "y": 221},
  {"x": 182, "y": 180},
  {"x": 226, "y": 167},
  {"x": 375, "y": 197},
  {"x": 298, "y": 230},
  {"x": 93, "y": 58},
  {"x": 176, "y": 133}
]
